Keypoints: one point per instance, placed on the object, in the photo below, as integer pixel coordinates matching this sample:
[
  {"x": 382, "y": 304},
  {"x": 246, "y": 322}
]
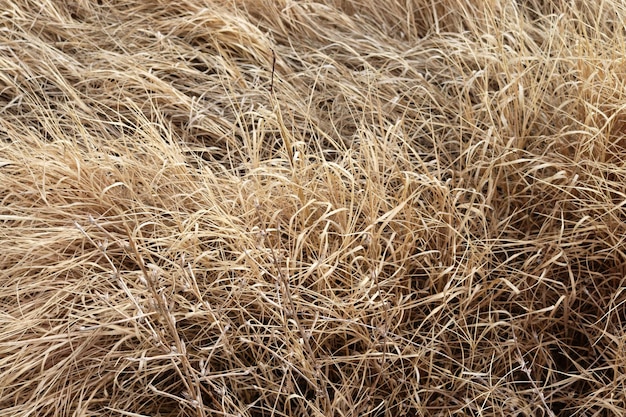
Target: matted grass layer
[{"x": 340, "y": 208}]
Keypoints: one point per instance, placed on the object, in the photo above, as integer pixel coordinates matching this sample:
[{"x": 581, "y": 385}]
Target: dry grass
[{"x": 420, "y": 212}]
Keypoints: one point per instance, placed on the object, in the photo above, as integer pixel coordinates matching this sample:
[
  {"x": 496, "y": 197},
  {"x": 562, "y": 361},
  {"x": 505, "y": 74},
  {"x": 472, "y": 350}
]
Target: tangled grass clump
[{"x": 320, "y": 208}]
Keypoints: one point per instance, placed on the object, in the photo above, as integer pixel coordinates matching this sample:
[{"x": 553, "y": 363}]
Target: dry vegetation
[{"x": 420, "y": 211}]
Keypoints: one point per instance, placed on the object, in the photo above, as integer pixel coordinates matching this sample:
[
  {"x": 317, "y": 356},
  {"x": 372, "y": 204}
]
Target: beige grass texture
[{"x": 300, "y": 208}]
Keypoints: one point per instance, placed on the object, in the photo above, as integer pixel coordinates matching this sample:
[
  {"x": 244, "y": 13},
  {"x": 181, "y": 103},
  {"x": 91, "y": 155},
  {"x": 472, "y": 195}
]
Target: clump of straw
[{"x": 338, "y": 208}]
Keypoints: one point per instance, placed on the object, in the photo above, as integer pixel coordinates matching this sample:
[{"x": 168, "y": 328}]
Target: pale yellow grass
[{"x": 418, "y": 209}]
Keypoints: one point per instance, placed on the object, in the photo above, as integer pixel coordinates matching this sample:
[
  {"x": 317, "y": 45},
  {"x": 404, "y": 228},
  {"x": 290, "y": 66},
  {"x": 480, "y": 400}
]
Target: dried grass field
[{"x": 312, "y": 208}]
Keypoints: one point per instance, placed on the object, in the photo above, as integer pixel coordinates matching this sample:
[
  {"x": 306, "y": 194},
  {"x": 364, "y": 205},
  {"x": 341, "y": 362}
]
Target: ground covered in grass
[{"x": 312, "y": 208}]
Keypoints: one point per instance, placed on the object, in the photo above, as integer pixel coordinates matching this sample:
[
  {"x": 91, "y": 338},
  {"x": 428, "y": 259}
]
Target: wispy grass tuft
[{"x": 339, "y": 208}]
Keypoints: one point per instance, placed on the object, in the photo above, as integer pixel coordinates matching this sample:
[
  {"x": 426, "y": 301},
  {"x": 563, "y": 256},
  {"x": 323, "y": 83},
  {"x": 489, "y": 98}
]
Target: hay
[{"x": 279, "y": 208}]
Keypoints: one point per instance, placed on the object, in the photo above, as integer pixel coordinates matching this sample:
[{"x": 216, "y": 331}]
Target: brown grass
[{"x": 420, "y": 211}]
